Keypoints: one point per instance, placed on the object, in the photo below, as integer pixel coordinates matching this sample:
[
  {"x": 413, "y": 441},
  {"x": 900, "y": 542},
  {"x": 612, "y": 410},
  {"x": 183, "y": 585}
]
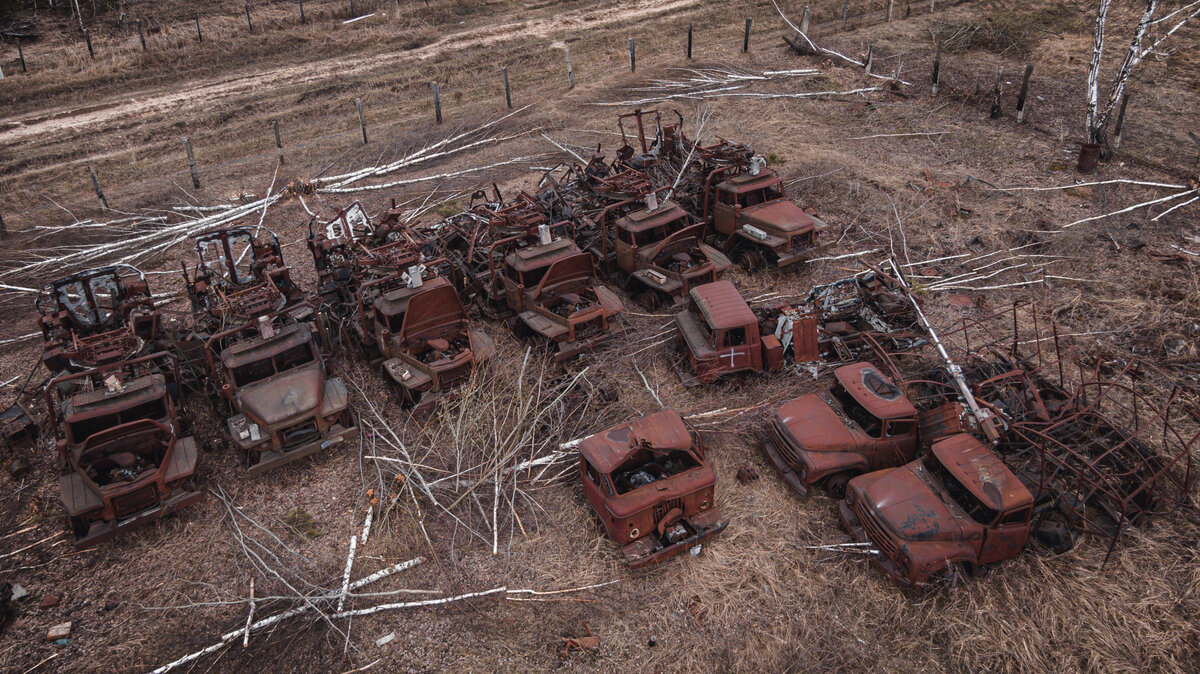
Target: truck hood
[
  {"x": 908, "y": 507},
  {"x": 780, "y": 216},
  {"x": 283, "y": 397},
  {"x": 814, "y": 426}
]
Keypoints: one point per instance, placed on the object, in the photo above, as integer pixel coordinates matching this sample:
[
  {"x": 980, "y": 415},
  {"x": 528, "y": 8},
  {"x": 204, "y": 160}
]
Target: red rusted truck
[
  {"x": 719, "y": 334},
  {"x": 941, "y": 517},
  {"x": 124, "y": 460},
  {"x": 864, "y": 422},
  {"x": 416, "y": 322},
  {"x": 650, "y": 485}
]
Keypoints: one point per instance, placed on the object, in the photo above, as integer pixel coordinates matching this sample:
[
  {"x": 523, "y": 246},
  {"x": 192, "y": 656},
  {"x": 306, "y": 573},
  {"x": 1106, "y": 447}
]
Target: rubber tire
[
  {"x": 649, "y": 299},
  {"x": 749, "y": 260},
  {"x": 835, "y": 485}
]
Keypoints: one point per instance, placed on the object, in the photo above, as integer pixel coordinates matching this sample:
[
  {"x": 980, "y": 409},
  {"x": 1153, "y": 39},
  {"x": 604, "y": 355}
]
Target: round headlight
[{"x": 634, "y": 532}]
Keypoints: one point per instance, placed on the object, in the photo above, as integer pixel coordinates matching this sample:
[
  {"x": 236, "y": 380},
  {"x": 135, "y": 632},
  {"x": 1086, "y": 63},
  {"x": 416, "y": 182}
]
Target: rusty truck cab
[
  {"x": 719, "y": 335},
  {"x": 122, "y": 457},
  {"x": 274, "y": 379},
  {"x": 659, "y": 250},
  {"x": 650, "y": 485},
  {"x": 752, "y": 216},
  {"x": 862, "y": 423},
  {"x": 553, "y": 289},
  {"x": 943, "y": 515},
  {"x": 422, "y": 331}
]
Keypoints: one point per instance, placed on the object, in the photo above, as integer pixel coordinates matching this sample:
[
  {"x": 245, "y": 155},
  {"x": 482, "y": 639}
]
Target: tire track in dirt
[{"x": 206, "y": 94}]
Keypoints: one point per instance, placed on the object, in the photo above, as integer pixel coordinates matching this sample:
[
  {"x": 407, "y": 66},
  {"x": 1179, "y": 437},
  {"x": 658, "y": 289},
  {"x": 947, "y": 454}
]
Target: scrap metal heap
[
  {"x": 650, "y": 485},
  {"x": 123, "y": 456},
  {"x": 262, "y": 347},
  {"x": 95, "y": 317}
]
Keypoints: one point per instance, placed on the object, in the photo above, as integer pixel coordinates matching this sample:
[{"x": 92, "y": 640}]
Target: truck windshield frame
[
  {"x": 265, "y": 368},
  {"x": 657, "y": 465},
  {"x": 867, "y": 422},
  {"x": 962, "y": 497}
]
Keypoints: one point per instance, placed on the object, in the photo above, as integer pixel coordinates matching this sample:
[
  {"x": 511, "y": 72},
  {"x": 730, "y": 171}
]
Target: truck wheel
[
  {"x": 750, "y": 260},
  {"x": 649, "y": 299},
  {"x": 835, "y": 484},
  {"x": 953, "y": 575}
]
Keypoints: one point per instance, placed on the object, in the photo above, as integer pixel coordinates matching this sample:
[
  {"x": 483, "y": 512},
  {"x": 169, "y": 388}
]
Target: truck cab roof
[
  {"x": 642, "y": 220},
  {"x": 722, "y": 306},
  {"x": 536, "y": 257},
  {"x": 874, "y": 391},
  {"x": 607, "y": 450}
]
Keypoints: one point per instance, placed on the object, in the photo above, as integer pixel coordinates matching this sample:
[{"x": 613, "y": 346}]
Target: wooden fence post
[
  {"x": 746, "y": 39},
  {"x": 870, "y": 58},
  {"x": 931, "y": 7},
  {"x": 352, "y": 13},
  {"x": 278, "y": 140},
  {"x": 890, "y": 6},
  {"x": 1116, "y": 141},
  {"x": 249, "y": 25},
  {"x": 570, "y": 73},
  {"x": 632, "y": 57},
  {"x": 21, "y": 55},
  {"x": 437, "y": 103},
  {"x": 187, "y": 146},
  {"x": 362, "y": 122},
  {"x": 96, "y": 186},
  {"x": 301, "y": 3},
  {"x": 997, "y": 111},
  {"x": 1023, "y": 98},
  {"x": 937, "y": 69},
  {"x": 141, "y": 34},
  {"x": 3, "y": 229},
  {"x": 199, "y": 35},
  {"x": 87, "y": 36},
  {"x": 507, "y": 90},
  {"x": 845, "y": 14},
  {"x": 689, "y": 47},
  {"x": 804, "y": 18}
]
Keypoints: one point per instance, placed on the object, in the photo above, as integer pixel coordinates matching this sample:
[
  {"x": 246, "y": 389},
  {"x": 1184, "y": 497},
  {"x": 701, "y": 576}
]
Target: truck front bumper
[
  {"x": 879, "y": 561},
  {"x": 650, "y": 549},
  {"x": 272, "y": 459},
  {"x": 101, "y": 531},
  {"x": 793, "y": 479}
]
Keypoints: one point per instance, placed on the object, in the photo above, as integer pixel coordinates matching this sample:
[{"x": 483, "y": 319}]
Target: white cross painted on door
[{"x": 734, "y": 354}]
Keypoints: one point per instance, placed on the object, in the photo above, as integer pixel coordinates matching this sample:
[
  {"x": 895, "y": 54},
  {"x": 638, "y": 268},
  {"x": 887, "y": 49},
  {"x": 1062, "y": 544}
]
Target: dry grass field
[{"x": 757, "y": 598}]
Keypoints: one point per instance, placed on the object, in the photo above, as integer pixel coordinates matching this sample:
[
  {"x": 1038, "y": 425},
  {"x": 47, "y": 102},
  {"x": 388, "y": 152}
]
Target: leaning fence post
[
  {"x": 845, "y": 14},
  {"x": 21, "y": 55},
  {"x": 870, "y": 58},
  {"x": 937, "y": 69},
  {"x": 890, "y": 7},
  {"x": 301, "y": 3},
  {"x": 931, "y": 7},
  {"x": 507, "y": 90},
  {"x": 87, "y": 36},
  {"x": 3, "y": 229},
  {"x": 249, "y": 25},
  {"x": 96, "y": 186},
  {"x": 278, "y": 140},
  {"x": 1116, "y": 141},
  {"x": 187, "y": 146},
  {"x": 746, "y": 39},
  {"x": 804, "y": 18},
  {"x": 352, "y": 12},
  {"x": 141, "y": 35},
  {"x": 997, "y": 111},
  {"x": 570, "y": 73},
  {"x": 632, "y": 57},
  {"x": 362, "y": 122},
  {"x": 689, "y": 48},
  {"x": 199, "y": 35},
  {"x": 1022, "y": 99},
  {"x": 437, "y": 103}
]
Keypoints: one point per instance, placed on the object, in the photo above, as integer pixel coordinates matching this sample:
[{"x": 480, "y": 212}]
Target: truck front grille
[
  {"x": 662, "y": 508},
  {"x": 785, "y": 448},
  {"x": 294, "y": 436},
  {"x": 128, "y": 504},
  {"x": 875, "y": 531}
]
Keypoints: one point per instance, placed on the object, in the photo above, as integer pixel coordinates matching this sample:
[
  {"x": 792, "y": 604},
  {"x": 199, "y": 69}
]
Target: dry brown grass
[{"x": 764, "y": 602}]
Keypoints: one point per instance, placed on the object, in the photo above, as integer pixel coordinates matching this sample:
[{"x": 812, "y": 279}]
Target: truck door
[
  {"x": 724, "y": 215},
  {"x": 1007, "y": 537},
  {"x": 626, "y": 247},
  {"x": 897, "y": 445},
  {"x": 737, "y": 353},
  {"x": 513, "y": 289},
  {"x": 594, "y": 488}
]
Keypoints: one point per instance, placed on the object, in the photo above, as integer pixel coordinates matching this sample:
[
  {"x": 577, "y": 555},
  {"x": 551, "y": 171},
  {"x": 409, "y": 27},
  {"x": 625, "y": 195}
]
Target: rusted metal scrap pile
[{"x": 947, "y": 450}]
